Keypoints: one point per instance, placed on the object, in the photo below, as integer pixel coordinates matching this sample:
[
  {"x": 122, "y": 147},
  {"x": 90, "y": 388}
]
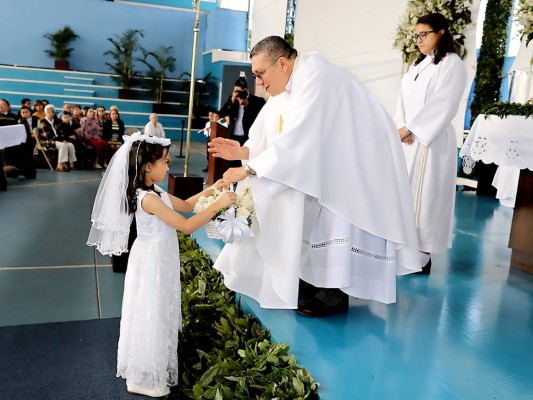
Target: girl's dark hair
[
  {"x": 446, "y": 43},
  {"x": 141, "y": 153}
]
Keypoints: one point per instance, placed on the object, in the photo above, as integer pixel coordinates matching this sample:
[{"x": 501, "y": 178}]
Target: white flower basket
[{"x": 212, "y": 231}]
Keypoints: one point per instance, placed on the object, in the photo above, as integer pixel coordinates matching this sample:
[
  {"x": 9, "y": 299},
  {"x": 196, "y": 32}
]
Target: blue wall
[
  {"x": 24, "y": 24},
  {"x": 227, "y": 30},
  {"x": 206, "y": 5}
]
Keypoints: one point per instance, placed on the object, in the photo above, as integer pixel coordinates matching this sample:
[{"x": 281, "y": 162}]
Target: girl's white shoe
[{"x": 148, "y": 392}]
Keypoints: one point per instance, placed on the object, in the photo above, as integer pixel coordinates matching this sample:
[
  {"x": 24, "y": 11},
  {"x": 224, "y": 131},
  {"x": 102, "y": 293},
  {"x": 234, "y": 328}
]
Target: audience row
[{"x": 73, "y": 137}]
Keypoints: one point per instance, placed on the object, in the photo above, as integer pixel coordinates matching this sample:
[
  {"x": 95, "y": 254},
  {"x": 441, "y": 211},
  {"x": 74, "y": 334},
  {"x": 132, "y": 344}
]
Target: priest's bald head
[{"x": 272, "y": 64}]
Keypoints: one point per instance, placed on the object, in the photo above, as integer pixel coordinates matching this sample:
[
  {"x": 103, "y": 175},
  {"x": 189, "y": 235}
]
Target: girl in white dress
[
  {"x": 429, "y": 99},
  {"x": 151, "y": 306}
]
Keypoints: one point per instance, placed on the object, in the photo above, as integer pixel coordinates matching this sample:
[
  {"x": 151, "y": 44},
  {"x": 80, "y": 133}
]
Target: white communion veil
[{"x": 110, "y": 218}]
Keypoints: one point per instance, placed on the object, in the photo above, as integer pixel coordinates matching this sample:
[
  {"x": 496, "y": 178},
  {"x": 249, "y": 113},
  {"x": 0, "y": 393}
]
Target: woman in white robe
[{"x": 430, "y": 94}]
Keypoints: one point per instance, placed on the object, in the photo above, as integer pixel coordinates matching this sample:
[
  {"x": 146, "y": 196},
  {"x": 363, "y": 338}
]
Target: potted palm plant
[
  {"x": 204, "y": 89},
  {"x": 59, "y": 46},
  {"x": 123, "y": 53},
  {"x": 158, "y": 63}
]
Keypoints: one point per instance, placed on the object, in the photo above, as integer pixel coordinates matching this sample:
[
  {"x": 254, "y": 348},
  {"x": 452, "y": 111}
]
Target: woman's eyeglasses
[{"x": 421, "y": 35}]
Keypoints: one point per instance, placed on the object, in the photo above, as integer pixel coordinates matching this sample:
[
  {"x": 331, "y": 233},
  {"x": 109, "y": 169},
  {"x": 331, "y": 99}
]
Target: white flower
[
  {"x": 244, "y": 206},
  {"x": 243, "y": 212}
]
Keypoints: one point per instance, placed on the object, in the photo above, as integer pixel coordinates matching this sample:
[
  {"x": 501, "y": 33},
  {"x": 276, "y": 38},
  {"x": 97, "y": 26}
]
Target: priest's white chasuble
[
  {"x": 331, "y": 195},
  {"x": 427, "y": 106}
]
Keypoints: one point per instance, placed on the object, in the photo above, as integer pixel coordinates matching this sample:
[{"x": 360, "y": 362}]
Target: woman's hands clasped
[{"x": 405, "y": 135}]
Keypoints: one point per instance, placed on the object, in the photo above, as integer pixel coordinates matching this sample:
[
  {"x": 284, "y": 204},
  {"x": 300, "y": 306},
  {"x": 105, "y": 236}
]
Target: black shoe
[
  {"x": 426, "y": 269},
  {"x": 326, "y": 302},
  {"x": 306, "y": 292}
]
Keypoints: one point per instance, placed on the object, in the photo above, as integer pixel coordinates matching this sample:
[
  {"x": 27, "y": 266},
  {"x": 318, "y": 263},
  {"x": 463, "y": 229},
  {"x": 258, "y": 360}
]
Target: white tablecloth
[
  {"x": 12, "y": 135},
  {"x": 507, "y": 142}
]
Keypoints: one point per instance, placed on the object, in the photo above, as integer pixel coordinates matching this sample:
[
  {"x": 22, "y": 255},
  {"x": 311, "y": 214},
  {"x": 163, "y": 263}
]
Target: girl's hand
[
  {"x": 226, "y": 200},
  {"x": 220, "y": 184}
]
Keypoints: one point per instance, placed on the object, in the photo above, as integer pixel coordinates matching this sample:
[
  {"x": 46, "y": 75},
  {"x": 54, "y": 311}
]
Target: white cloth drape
[
  {"x": 331, "y": 195},
  {"x": 12, "y": 135}
]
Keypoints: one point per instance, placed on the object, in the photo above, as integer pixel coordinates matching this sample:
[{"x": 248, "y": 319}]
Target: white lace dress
[{"x": 151, "y": 306}]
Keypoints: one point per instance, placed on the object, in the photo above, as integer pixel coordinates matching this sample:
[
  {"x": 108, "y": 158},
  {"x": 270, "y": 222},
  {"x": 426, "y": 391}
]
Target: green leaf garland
[{"x": 491, "y": 55}]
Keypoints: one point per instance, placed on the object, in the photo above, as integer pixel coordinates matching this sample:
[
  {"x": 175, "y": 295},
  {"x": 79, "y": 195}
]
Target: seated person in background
[
  {"x": 92, "y": 134},
  {"x": 19, "y": 159},
  {"x": 77, "y": 115},
  {"x": 67, "y": 132},
  {"x": 24, "y": 102},
  {"x": 25, "y": 160},
  {"x": 65, "y": 150},
  {"x": 101, "y": 116},
  {"x": 5, "y": 109},
  {"x": 154, "y": 128},
  {"x": 67, "y": 107},
  {"x": 113, "y": 131},
  {"x": 38, "y": 110}
]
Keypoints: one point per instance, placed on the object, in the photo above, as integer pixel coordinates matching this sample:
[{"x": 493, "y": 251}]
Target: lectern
[
  {"x": 521, "y": 238},
  {"x": 216, "y": 166}
]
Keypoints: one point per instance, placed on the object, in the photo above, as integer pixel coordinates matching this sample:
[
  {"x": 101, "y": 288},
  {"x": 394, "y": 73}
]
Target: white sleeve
[{"x": 442, "y": 107}]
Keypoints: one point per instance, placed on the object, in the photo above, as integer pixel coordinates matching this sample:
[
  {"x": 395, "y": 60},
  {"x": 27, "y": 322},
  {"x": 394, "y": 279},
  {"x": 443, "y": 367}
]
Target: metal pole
[
  {"x": 97, "y": 284},
  {"x": 196, "y": 6},
  {"x": 181, "y": 140}
]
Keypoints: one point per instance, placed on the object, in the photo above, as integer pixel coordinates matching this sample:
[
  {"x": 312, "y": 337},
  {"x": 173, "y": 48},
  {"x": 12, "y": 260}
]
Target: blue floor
[{"x": 464, "y": 332}]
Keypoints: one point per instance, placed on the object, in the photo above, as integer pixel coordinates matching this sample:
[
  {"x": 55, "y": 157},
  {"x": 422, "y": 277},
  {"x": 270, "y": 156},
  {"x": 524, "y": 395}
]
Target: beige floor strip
[
  {"x": 54, "y": 183},
  {"x": 54, "y": 267}
]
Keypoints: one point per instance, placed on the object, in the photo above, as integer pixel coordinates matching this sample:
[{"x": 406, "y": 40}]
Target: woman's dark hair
[
  {"x": 141, "y": 153},
  {"x": 274, "y": 47},
  {"x": 446, "y": 43}
]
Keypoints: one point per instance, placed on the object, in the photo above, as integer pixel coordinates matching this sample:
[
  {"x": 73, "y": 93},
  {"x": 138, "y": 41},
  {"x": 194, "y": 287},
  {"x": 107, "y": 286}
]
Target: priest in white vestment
[
  {"x": 429, "y": 99},
  {"x": 330, "y": 189}
]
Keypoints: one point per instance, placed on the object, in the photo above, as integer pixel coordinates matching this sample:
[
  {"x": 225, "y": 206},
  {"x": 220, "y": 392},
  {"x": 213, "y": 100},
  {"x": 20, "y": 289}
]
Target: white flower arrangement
[
  {"x": 457, "y": 12},
  {"x": 525, "y": 18},
  {"x": 233, "y": 224},
  {"x": 244, "y": 207}
]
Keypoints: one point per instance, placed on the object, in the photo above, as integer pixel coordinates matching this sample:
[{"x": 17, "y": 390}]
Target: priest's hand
[
  {"x": 225, "y": 148},
  {"x": 233, "y": 175}
]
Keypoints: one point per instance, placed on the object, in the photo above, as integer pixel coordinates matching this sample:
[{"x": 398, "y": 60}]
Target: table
[
  {"x": 508, "y": 142},
  {"x": 10, "y": 135}
]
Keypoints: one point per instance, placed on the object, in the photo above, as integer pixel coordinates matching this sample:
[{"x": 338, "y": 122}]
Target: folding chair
[{"x": 39, "y": 146}]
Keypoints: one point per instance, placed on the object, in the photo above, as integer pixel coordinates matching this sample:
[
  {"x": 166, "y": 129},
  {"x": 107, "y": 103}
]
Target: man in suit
[
  {"x": 240, "y": 112},
  {"x": 241, "y": 109}
]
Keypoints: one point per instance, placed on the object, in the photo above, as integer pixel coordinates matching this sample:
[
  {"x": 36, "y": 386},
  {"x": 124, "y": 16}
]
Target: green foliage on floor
[{"x": 224, "y": 354}]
